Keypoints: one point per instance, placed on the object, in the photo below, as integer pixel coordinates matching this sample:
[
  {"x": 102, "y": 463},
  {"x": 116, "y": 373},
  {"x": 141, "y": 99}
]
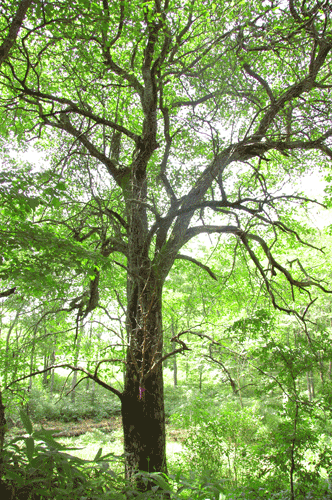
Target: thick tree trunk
[{"x": 143, "y": 414}]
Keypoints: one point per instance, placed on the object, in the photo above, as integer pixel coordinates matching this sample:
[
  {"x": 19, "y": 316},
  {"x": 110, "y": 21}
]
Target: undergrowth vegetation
[{"x": 229, "y": 450}]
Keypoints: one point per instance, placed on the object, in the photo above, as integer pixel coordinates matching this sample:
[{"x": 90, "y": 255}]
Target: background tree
[{"x": 174, "y": 121}]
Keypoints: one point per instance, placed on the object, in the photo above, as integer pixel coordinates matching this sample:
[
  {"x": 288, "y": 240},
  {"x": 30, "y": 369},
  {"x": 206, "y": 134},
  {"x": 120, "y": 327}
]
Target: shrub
[
  {"x": 43, "y": 405},
  {"x": 222, "y": 445},
  {"x": 42, "y": 469}
]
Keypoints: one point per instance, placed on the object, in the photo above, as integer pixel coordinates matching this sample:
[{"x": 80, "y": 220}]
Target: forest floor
[
  {"x": 71, "y": 429},
  {"x": 84, "y": 438}
]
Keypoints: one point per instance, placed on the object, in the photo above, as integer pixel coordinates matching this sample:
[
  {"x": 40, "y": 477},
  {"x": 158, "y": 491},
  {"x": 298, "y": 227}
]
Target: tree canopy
[{"x": 218, "y": 105}]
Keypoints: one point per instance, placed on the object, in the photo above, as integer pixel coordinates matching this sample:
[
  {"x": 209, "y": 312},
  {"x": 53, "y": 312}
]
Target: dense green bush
[
  {"x": 43, "y": 405},
  {"x": 42, "y": 469},
  {"x": 231, "y": 451},
  {"x": 255, "y": 453},
  {"x": 222, "y": 445},
  {"x": 178, "y": 398}
]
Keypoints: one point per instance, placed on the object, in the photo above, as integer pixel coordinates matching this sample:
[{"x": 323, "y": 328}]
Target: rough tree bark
[
  {"x": 143, "y": 398},
  {"x": 143, "y": 413}
]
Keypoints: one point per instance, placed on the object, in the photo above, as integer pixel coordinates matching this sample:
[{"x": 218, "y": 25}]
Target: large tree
[{"x": 195, "y": 116}]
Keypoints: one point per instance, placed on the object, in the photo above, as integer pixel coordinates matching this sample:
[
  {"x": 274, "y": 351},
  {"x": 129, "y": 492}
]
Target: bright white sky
[{"x": 313, "y": 185}]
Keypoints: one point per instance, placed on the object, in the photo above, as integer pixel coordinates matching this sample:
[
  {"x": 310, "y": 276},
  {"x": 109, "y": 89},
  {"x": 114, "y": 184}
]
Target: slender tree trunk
[
  {"x": 52, "y": 381},
  {"x": 175, "y": 366},
  {"x": 2, "y": 432},
  {"x": 6, "y": 367},
  {"x": 52, "y": 371},
  {"x": 312, "y": 383},
  {"x": 293, "y": 447},
  {"x": 309, "y": 387},
  {"x": 93, "y": 392},
  {"x": 238, "y": 381},
  {"x": 73, "y": 384},
  {"x": 88, "y": 363},
  {"x": 32, "y": 359},
  {"x": 321, "y": 372},
  {"x": 77, "y": 352},
  {"x": 45, "y": 375},
  {"x": 93, "y": 383},
  {"x": 200, "y": 370}
]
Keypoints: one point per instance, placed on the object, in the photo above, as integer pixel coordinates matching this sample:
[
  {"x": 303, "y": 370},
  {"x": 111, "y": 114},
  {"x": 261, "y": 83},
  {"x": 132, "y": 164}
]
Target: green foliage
[
  {"x": 221, "y": 443},
  {"x": 99, "y": 404},
  {"x": 177, "y": 398},
  {"x": 251, "y": 448},
  {"x": 43, "y": 469},
  {"x": 232, "y": 452}
]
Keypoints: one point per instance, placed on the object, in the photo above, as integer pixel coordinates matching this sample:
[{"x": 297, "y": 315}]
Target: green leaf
[
  {"x": 46, "y": 436},
  {"x": 33, "y": 202},
  {"x": 26, "y": 421},
  {"x": 61, "y": 185},
  {"x": 98, "y": 455},
  {"x": 30, "y": 444},
  {"x": 66, "y": 467},
  {"x": 160, "y": 481},
  {"x": 56, "y": 203},
  {"x": 15, "y": 477}
]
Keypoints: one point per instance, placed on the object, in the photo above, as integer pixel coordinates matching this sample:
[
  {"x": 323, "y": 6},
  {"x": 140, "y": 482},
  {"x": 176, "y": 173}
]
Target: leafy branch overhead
[{"x": 181, "y": 102}]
